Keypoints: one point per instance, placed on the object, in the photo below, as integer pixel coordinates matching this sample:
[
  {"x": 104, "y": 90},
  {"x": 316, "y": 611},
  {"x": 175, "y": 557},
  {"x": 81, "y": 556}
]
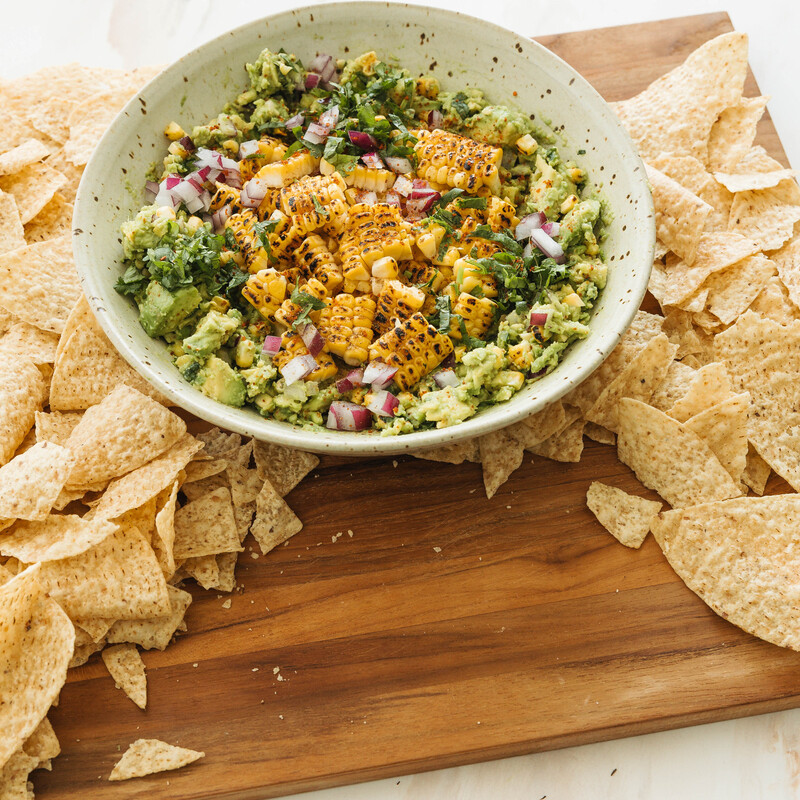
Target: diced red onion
[
  {"x": 187, "y": 144},
  {"x": 253, "y": 192},
  {"x": 295, "y": 121},
  {"x": 272, "y": 345},
  {"x": 228, "y": 167},
  {"x": 346, "y": 416},
  {"x": 551, "y": 228},
  {"x": 399, "y": 164},
  {"x": 383, "y": 404},
  {"x": 422, "y": 189},
  {"x": 150, "y": 191},
  {"x": 368, "y": 198},
  {"x": 378, "y": 374},
  {"x": 353, "y": 378},
  {"x": 204, "y": 174},
  {"x": 363, "y": 140},
  {"x": 435, "y": 118},
  {"x": 171, "y": 181},
  {"x": 249, "y": 148},
  {"x": 529, "y": 223},
  {"x": 324, "y": 65},
  {"x": 539, "y": 318},
  {"x": 298, "y": 368},
  {"x": 329, "y": 118},
  {"x": 316, "y": 134},
  {"x": 402, "y": 185},
  {"x": 449, "y": 362},
  {"x": 372, "y": 160},
  {"x": 219, "y": 218},
  {"x": 446, "y": 377},
  {"x": 547, "y": 245},
  {"x": 312, "y": 80},
  {"x": 422, "y": 204},
  {"x": 527, "y": 251},
  {"x": 392, "y": 198},
  {"x": 311, "y": 338}
]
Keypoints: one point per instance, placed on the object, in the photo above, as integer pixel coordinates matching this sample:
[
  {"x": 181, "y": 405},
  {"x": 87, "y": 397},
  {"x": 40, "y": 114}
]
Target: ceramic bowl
[{"x": 459, "y": 51}]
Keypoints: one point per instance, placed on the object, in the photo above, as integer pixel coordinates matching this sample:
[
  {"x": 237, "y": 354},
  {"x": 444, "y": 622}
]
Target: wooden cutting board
[{"x": 447, "y": 628}]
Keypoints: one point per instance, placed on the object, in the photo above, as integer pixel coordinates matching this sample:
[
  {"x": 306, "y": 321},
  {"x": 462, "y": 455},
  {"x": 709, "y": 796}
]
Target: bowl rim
[{"x": 247, "y": 421}]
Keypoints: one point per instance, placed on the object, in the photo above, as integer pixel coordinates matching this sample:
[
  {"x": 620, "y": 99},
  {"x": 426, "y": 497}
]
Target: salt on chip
[
  {"x": 566, "y": 446},
  {"x": 206, "y": 527},
  {"x": 733, "y": 132},
  {"x": 639, "y": 379},
  {"x": 126, "y": 667},
  {"x": 117, "y": 578},
  {"x": 680, "y": 215},
  {"x": 742, "y": 557},
  {"x": 147, "y": 756},
  {"x": 87, "y": 367},
  {"x": 455, "y": 453},
  {"x": 274, "y": 522},
  {"x": 539, "y": 426},
  {"x": 709, "y": 385},
  {"x": 733, "y": 289},
  {"x": 31, "y": 482},
  {"x": 39, "y": 284},
  {"x": 53, "y": 538},
  {"x": 283, "y": 467},
  {"x": 153, "y": 633},
  {"x": 669, "y": 458},
  {"x": 676, "y": 113},
  {"x": 54, "y": 220},
  {"x": 32, "y": 187},
  {"x": 766, "y": 216},
  {"x": 36, "y": 642},
  {"x": 22, "y": 391},
  {"x": 12, "y": 234},
  {"x": 756, "y": 472},
  {"x": 501, "y": 455},
  {"x": 626, "y": 517},
  {"x": 122, "y": 432},
  {"x": 723, "y": 427}
]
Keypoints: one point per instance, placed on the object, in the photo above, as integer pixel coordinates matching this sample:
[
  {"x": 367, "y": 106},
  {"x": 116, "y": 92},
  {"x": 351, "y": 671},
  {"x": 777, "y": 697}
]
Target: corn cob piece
[
  {"x": 370, "y": 179},
  {"x": 468, "y": 276},
  {"x": 298, "y": 201},
  {"x": 289, "y": 311},
  {"x": 225, "y": 196},
  {"x": 265, "y": 291},
  {"x": 269, "y": 151},
  {"x": 270, "y": 204},
  {"x": 477, "y": 313},
  {"x": 429, "y": 279},
  {"x": 242, "y": 226},
  {"x": 379, "y": 231},
  {"x": 284, "y": 172},
  {"x": 500, "y": 214},
  {"x": 396, "y": 301},
  {"x": 284, "y": 240},
  {"x": 459, "y": 162},
  {"x": 346, "y": 325},
  {"x": 413, "y": 346},
  {"x": 293, "y": 346},
  {"x": 314, "y": 258},
  {"x": 475, "y": 246}
]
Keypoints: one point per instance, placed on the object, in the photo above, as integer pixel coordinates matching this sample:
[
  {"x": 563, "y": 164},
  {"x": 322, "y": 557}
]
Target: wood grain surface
[{"x": 448, "y": 628}]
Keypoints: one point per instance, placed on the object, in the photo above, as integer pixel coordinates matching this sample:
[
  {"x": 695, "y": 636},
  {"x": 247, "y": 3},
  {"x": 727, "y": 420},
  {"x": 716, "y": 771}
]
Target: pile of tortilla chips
[{"x": 107, "y": 503}]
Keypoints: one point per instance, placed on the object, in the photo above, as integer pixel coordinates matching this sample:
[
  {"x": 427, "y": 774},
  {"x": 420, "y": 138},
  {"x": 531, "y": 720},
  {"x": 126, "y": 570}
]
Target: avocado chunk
[
  {"x": 212, "y": 332},
  {"x": 219, "y": 381},
  {"x": 498, "y": 125},
  {"x": 162, "y": 311}
]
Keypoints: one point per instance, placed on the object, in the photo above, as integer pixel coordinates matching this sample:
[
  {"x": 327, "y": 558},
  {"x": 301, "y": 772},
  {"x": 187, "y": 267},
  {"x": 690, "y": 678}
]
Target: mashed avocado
[
  {"x": 497, "y": 125},
  {"x": 274, "y": 73}
]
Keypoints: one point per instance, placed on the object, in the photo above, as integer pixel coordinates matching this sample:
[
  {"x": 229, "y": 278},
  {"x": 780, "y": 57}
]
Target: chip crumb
[
  {"x": 255, "y": 669},
  {"x": 350, "y": 533},
  {"x": 195, "y": 664},
  {"x": 280, "y": 677},
  {"x": 253, "y": 555},
  {"x": 276, "y": 670},
  {"x": 437, "y": 549},
  {"x": 394, "y": 463},
  {"x": 227, "y": 603}
]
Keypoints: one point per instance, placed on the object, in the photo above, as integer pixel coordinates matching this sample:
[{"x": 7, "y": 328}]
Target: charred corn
[
  {"x": 413, "y": 346},
  {"x": 282, "y": 173},
  {"x": 314, "y": 258},
  {"x": 370, "y": 179},
  {"x": 269, "y": 151},
  {"x": 242, "y": 226},
  {"x": 457, "y": 161},
  {"x": 467, "y": 277},
  {"x": 346, "y": 326},
  {"x": 284, "y": 240},
  {"x": 270, "y": 204},
  {"x": 396, "y": 302},
  {"x": 265, "y": 291},
  {"x": 289, "y": 311},
  {"x": 225, "y": 196},
  {"x": 477, "y": 313},
  {"x": 315, "y": 201}
]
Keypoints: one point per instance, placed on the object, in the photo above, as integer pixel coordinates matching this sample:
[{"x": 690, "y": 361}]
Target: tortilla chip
[
  {"x": 124, "y": 431},
  {"x": 33, "y": 188},
  {"x": 723, "y": 427},
  {"x": 54, "y": 538},
  {"x": 38, "y": 283},
  {"x": 539, "y": 426},
  {"x": 753, "y": 181},
  {"x": 22, "y": 391},
  {"x": 137, "y": 487},
  {"x": 13, "y": 129},
  {"x": 204, "y": 569},
  {"x": 28, "y": 340},
  {"x": 763, "y": 357},
  {"x": 83, "y": 653},
  {"x": 29, "y": 152},
  {"x": 501, "y": 455},
  {"x": 566, "y": 446},
  {"x": 275, "y": 522},
  {"x": 14, "y": 784},
  {"x": 715, "y": 252},
  {"x": 692, "y": 175},
  {"x": 766, "y": 216},
  {"x": 669, "y": 458},
  {"x": 206, "y": 527},
  {"x": 774, "y": 302},
  {"x": 12, "y": 234},
  {"x": 126, "y": 667},
  {"x": 625, "y": 516},
  {"x": 787, "y": 261},
  {"x": 733, "y": 289},
  {"x": 680, "y": 215},
  {"x": 218, "y": 443},
  {"x": 54, "y": 220},
  {"x": 154, "y": 633},
  {"x": 456, "y": 453},
  {"x": 164, "y": 539},
  {"x": 639, "y": 379},
  {"x": 96, "y": 627},
  {"x": 42, "y": 744},
  {"x": 245, "y": 484},
  {"x": 118, "y": 578},
  {"x": 202, "y": 487},
  {"x": 87, "y": 366},
  {"x": 198, "y": 470},
  {"x": 709, "y": 385},
  {"x": 283, "y": 467},
  {"x": 55, "y": 426},
  {"x": 146, "y": 756},
  {"x": 756, "y": 472},
  {"x": 733, "y": 133},
  {"x": 31, "y": 482},
  {"x": 741, "y": 558},
  {"x": 597, "y": 433},
  {"x": 36, "y": 642},
  {"x": 226, "y": 565},
  {"x": 676, "y": 113}
]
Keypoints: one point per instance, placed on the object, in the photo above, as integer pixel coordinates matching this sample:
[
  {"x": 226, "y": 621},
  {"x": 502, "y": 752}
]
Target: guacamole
[{"x": 346, "y": 245}]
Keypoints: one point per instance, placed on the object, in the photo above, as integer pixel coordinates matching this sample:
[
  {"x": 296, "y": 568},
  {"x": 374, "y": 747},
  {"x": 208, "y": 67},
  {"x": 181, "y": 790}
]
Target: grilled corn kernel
[
  {"x": 527, "y": 144},
  {"x": 576, "y": 175},
  {"x": 289, "y": 311},
  {"x": 346, "y": 326},
  {"x": 396, "y": 301},
  {"x": 218, "y": 303},
  {"x": 314, "y": 258},
  {"x": 173, "y": 131},
  {"x": 282, "y": 173},
  {"x": 569, "y": 204},
  {"x": 372, "y": 180},
  {"x": 193, "y": 224},
  {"x": 521, "y": 355},
  {"x": 477, "y": 313},
  {"x": 468, "y": 276},
  {"x": 269, "y": 151},
  {"x": 245, "y": 353},
  {"x": 573, "y": 299},
  {"x": 225, "y": 196},
  {"x": 265, "y": 291},
  {"x": 231, "y": 145},
  {"x": 293, "y": 346}
]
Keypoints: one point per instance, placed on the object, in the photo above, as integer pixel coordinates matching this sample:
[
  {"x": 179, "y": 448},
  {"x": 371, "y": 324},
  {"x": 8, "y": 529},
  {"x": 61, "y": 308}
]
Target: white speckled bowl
[{"x": 458, "y": 50}]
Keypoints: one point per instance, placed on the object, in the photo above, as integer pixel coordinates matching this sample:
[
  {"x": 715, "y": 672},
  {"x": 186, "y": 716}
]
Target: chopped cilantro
[
  {"x": 503, "y": 238},
  {"x": 318, "y": 207},
  {"x": 472, "y": 202},
  {"x": 460, "y": 105},
  {"x": 448, "y": 197},
  {"x": 191, "y": 370},
  {"x": 131, "y": 282},
  {"x": 307, "y": 303}
]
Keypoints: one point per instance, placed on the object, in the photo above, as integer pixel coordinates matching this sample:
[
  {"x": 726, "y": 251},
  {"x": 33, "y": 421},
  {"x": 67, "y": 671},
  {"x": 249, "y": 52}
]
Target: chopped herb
[
  {"x": 470, "y": 342},
  {"x": 441, "y": 319},
  {"x": 460, "y": 105},
  {"x": 581, "y": 152},
  {"x": 131, "y": 282},
  {"x": 307, "y": 303},
  {"x": 191, "y": 370},
  {"x": 448, "y": 197},
  {"x": 318, "y": 207},
  {"x": 503, "y": 238},
  {"x": 472, "y": 202}
]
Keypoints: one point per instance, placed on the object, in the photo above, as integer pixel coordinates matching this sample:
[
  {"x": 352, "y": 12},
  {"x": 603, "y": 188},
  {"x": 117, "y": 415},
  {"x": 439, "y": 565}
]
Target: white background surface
[{"x": 746, "y": 759}]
